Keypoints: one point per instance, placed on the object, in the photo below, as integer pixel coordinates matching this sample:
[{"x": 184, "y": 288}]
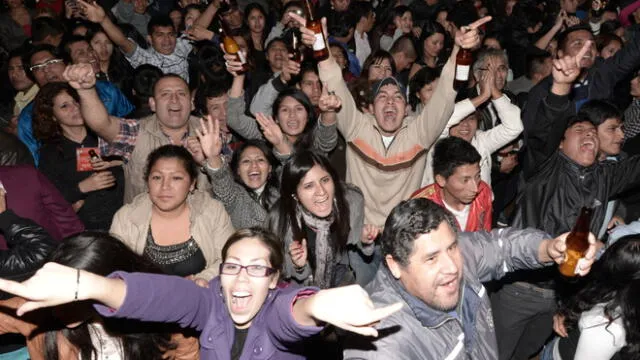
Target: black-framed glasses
[
  {"x": 41, "y": 67},
  {"x": 252, "y": 270}
]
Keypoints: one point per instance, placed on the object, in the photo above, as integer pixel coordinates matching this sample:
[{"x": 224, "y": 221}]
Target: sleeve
[
  {"x": 125, "y": 141},
  {"x": 614, "y": 69},
  {"x": 120, "y": 227},
  {"x": 48, "y": 167},
  {"x": 276, "y": 31},
  {"x": 183, "y": 47},
  {"x": 116, "y": 103},
  {"x": 632, "y": 120},
  {"x": 624, "y": 175},
  {"x": 138, "y": 57},
  {"x": 152, "y": 297},
  {"x": 263, "y": 99},
  {"x": 461, "y": 110},
  {"x": 282, "y": 327},
  {"x": 29, "y": 245},
  {"x": 509, "y": 129},
  {"x": 490, "y": 255},
  {"x": 325, "y": 137},
  {"x": 601, "y": 341},
  {"x": 123, "y": 11},
  {"x": 350, "y": 120},
  {"x": 223, "y": 228},
  {"x": 355, "y": 200},
  {"x": 63, "y": 217},
  {"x": 433, "y": 118},
  {"x": 25, "y": 132},
  {"x": 244, "y": 125}
]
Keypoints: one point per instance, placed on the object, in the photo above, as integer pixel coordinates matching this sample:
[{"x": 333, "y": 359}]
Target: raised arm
[
  {"x": 95, "y": 13},
  {"x": 207, "y": 16},
  {"x": 82, "y": 78},
  {"x": 544, "y": 41}
]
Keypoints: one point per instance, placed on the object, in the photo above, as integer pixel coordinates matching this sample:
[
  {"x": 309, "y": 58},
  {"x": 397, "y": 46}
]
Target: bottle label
[
  {"x": 462, "y": 72},
  {"x": 579, "y": 265},
  {"x": 318, "y": 44},
  {"x": 242, "y": 57}
]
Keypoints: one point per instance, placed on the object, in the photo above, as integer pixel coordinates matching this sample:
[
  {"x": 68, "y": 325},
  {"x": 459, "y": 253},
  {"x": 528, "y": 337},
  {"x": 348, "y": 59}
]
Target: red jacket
[{"x": 481, "y": 207}]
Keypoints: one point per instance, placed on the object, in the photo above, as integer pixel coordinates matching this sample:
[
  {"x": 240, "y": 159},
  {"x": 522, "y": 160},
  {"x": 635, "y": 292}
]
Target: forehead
[
  {"x": 316, "y": 172},
  {"x": 290, "y": 101},
  {"x": 579, "y": 35},
  {"x": 16, "y": 60},
  {"x": 436, "y": 240},
  {"x": 251, "y": 151},
  {"x": 310, "y": 76},
  {"x": 467, "y": 170},
  {"x": 41, "y": 56},
  {"x": 169, "y": 164},
  {"x": 81, "y": 44},
  {"x": 389, "y": 89},
  {"x": 255, "y": 12},
  {"x": 162, "y": 30},
  {"x": 249, "y": 249},
  {"x": 277, "y": 45},
  {"x": 217, "y": 100},
  {"x": 610, "y": 122},
  {"x": 583, "y": 125},
  {"x": 171, "y": 84}
]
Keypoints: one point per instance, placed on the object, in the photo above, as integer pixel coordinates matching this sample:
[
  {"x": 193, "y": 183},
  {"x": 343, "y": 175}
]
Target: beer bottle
[
  {"x": 320, "y": 48},
  {"x": 464, "y": 59},
  {"x": 294, "y": 48},
  {"x": 231, "y": 47},
  {"x": 577, "y": 243}
]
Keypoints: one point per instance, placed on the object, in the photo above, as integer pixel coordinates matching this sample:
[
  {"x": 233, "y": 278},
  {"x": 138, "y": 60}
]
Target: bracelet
[{"x": 75, "y": 298}]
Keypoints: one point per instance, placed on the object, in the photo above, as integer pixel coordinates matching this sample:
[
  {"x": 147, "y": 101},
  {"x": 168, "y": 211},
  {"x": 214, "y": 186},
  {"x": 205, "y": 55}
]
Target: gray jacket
[
  {"x": 359, "y": 258},
  {"x": 420, "y": 332}
]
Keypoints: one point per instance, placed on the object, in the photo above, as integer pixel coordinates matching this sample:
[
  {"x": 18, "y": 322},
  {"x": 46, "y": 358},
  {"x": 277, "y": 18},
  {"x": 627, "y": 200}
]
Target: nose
[
  {"x": 449, "y": 265},
  {"x": 474, "y": 186},
  {"x": 243, "y": 275},
  {"x": 320, "y": 190},
  {"x": 165, "y": 183}
]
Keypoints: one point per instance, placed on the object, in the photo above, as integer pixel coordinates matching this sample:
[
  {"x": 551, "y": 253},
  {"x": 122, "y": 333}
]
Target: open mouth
[
  {"x": 451, "y": 285},
  {"x": 588, "y": 146},
  {"x": 255, "y": 176},
  {"x": 390, "y": 113},
  {"x": 240, "y": 301}
]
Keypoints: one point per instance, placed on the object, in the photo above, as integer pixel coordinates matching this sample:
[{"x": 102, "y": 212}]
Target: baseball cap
[{"x": 387, "y": 81}]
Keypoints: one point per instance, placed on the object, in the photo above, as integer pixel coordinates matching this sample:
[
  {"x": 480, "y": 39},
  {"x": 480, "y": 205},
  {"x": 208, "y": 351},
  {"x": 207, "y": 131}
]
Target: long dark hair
[
  {"x": 292, "y": 174},
  {"x": 119, "y": 71},
  {"x": 102, "y": 254},
  {"x": 45, "y": 126},
  {"x": 267, "y": 197},
  {"x": 614, "y": 280},
  {"x": 305, "y": 139}
]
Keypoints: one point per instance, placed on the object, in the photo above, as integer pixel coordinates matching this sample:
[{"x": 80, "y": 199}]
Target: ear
[
  {"x": 407, "y": 109},
  {"x": 440, "y": 180},
  {"x": 561, "y": 144},
  {"x": 152, "y": 104},
  {"x": 193, "y": 185},
  {"x": 371, "y": 109},
  {"x": 274, "y": 280},
  {"x": 193, "y": 106},
  {"x": 149, "y": 39},
  {"x": 393, "y": 266}
]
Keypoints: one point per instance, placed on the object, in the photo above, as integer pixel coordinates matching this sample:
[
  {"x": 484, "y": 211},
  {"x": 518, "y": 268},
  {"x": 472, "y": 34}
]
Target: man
[
  {"x": 538, "y": 68},
  {"x": 44, "y": 65},
  {"x": 80, "y": 51},
  {"x": 133, "y": 12},
  {"x": 171, "y": 123},
  {"x": 404, "y": 55},
  {"x": 47, "y": 30},
  {"x": 458, "y": 187},
  {"x": 386, "y": 150},
  {"x": 167, "y": 52},
  {"x": 565, "y": 176},
  {"x": 437, "y": 274},
  {"x": 365, "y": 20},
  {"x": 25, "y": 88}
]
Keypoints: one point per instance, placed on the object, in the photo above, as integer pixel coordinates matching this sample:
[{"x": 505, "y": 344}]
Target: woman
[
  {"x": 248, "y": 186},
  {"x": 113, "y": 65},
  {"x": 321, "y": 223},
  {"x": 244, "y": 303},
  {"x": 421, "y": 87},
  {"x": 255, "y": 19},
  {"x": 377, "y": 66},
  {"x": 94, "y": 187},
  {"x": 601, "y": 320},
  {"x": 179, "y": 229},
  {"x": 608, "y": 45},
  {"x": 432, "y": 39},
  {"x": 339, "y": 53},
  {"x": 403, "y": 24},
  {"x": 15, "y": 24},
  {"x": 79, "y": 332}
]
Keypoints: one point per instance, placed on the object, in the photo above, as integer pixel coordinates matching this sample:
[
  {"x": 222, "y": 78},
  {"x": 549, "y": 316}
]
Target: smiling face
[
  {"x": 292, "y": 117},
  {"x": 244, "y": 294},
  {"x": 256, "y": 21},
  {"x": 581, "y": 143},
  {"x": 433, "y": 45},
  {"x": 380, "y": 69},
  {"x": 389, "y": 107},
  {"x": 316, "y": 192},
  {"x": 163, "y": 39},
  {"x": 574, "y": 42},
  {"x": 253, "y": 168},
  {"x": 276, "y": 55},
  {"x": 49, "y": 70},
  {"x": 171, "y": 102},
  {"x": 466, "y": 129},
  {"x": 406, "y": 22},
  {"x": 611, "y": 137},
  {"x": 169, "y": 184},
  {"x": 434, "y": 270}
]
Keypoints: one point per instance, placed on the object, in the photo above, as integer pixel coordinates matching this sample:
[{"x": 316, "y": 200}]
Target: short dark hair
[
  {"x": 452, "y": 152},
  {"x": 360, "y": 9},
  {"x": 462, "y": 13},
  {"x": 26, "y": 58},
  {"x": 563, "y": 36},
  {"x": 267, "y": 238},
  {"x": 598, "y": 111},
  {"x": 44, "y": 26},
  {"x": 172, "y": 152},
  {"x": 424, "y": 76},
  {"x": 70, "y": 40},
  {"x": 405, "y": 44},
  {"x": 407, "y": 221},
  {"x": 144, "y": 81},
  {"x": 208, "y": 91},
  {"x": 535, "y": 62},
  {"x": 159, "y": 21}
]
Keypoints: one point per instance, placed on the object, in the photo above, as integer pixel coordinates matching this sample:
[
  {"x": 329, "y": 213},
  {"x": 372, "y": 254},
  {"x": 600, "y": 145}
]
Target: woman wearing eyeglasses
[{"x": 242, "y": 314}]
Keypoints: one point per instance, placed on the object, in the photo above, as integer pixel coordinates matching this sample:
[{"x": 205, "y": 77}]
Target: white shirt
[
  {"x": 386, "y": 140},
  {"x": 461, "y": 215},
  {"x": 363, "y": 47},
  {"x": 107, "y": 347}
]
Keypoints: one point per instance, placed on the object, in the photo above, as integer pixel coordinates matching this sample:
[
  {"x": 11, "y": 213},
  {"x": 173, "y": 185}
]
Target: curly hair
[{"x": 45, "y": 125}]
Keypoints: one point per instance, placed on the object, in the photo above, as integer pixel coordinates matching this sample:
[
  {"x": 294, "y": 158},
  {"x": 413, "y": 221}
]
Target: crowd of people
[{"x": 318, "y": 179}]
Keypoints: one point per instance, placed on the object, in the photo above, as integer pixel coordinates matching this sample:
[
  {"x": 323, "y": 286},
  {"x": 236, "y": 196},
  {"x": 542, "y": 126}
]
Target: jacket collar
[
  {"x": 575, "y": 168},
  {"x": 141, "y": 212},
  {"x": 152, "y": 125}
]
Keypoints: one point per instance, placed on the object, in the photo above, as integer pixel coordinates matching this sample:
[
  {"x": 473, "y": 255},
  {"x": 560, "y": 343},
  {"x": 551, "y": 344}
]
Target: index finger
[
  {"x": 476, "y": 24},
  {"x": 13, "y": 287},
  {"x": 383, "y": 312},
  {"x": 302, "y": 21},
  {"x": 585, "y": 48}
]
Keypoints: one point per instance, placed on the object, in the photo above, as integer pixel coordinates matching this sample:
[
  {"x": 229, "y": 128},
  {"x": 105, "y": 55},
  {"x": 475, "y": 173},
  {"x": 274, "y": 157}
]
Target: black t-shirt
[{"x": 240, "y": 336}]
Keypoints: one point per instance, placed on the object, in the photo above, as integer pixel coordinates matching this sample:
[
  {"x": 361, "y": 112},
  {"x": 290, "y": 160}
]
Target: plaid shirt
[
  {"x": 125, "y": 142},
  {"x": 632, "y": 120},
  {"x": 175, "y": 63}
]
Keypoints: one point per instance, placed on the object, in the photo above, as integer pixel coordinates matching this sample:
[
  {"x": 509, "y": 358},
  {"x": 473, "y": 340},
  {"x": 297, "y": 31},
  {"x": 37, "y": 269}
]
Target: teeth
[{"x": 240, "y": 294}]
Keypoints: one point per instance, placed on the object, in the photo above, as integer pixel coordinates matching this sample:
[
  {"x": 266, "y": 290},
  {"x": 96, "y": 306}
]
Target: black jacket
[
  {"x": 29, "y": 246},
  {"x": 13, "y": 151}
]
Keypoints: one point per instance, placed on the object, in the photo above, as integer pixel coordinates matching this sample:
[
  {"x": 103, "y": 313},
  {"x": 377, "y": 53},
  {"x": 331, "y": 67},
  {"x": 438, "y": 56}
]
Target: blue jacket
[
  {"x": 274, "y": 334},
  {"x": 113, "y": 99}
]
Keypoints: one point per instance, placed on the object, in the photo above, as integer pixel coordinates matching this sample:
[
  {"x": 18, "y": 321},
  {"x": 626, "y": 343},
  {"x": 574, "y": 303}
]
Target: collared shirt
[
  {"x": 125, "y": 141},
  {"x": 23, "y": 99},
  {"x": 363, "y": 47},
  {"x": 174, "y": 63}
]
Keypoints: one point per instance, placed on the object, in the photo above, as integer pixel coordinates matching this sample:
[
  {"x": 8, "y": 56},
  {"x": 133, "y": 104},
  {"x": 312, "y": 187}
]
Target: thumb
[{"x": 28, "y": 306}]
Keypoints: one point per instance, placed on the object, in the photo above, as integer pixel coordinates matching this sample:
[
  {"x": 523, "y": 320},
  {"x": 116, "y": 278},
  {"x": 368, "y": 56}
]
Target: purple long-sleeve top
[{"x": 274, "y": 333}]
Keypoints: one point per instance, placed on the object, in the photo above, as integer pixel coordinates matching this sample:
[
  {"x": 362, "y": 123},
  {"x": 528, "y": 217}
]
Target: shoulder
[{"x": 428, "y": 192}]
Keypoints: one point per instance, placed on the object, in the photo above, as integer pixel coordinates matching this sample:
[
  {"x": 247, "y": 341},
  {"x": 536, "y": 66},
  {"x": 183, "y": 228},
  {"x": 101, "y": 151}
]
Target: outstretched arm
[{"x": 95, "y": 13}]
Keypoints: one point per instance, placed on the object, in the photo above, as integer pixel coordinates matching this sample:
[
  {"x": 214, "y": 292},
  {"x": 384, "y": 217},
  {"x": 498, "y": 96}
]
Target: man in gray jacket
[{"x": 438, "y": 275}]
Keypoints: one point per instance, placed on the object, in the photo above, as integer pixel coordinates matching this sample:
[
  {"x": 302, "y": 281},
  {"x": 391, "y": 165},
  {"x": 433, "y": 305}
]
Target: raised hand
[
  {"x": 298, "y": 253},
  {"x": 349, "y": 308},
  {"x": 233, "y": 65},
  {"x": 329, "y": 101},
  {"x": 80, "y": 76},
  {"x": 273, "y": 133},
  {"x": 308, "y": 37},
  {"x": 487, "y": 82},
  {"x": 91, "y": 11},
  {"x": 467, "y": 37},
  {"x": 209, "y": 136},
  {"x": 198, "y": 33},
  {"x": 195, "y": 148},
  {"x": 289, "y": 69},
  {"x": 369, "y": 234},
  {"x": 566, "y": 69},
  {"x": 557, "y": 248}
]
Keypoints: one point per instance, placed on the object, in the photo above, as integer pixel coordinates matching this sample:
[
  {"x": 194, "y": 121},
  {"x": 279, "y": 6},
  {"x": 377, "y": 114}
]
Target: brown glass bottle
[
  {"x": 577, "y": 243},
  {"x": 231, "y": 47},
  {"x": 294, "y": 48},
  {"x": 464, "y": 59},
  {"x": 320, "y": 48}
]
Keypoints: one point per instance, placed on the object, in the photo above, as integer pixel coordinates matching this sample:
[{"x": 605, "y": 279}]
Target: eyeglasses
[
  {"x": 45, "y": 64},
  {"x": 252, "y": 270}
]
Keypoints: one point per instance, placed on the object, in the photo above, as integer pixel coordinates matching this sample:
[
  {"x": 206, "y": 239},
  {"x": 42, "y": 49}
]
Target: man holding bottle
[{"x": 386, "y": 152}]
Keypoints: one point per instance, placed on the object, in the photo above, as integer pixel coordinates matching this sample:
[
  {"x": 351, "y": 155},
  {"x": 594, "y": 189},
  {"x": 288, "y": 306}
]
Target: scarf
[{"x": 323, "y": 273}]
